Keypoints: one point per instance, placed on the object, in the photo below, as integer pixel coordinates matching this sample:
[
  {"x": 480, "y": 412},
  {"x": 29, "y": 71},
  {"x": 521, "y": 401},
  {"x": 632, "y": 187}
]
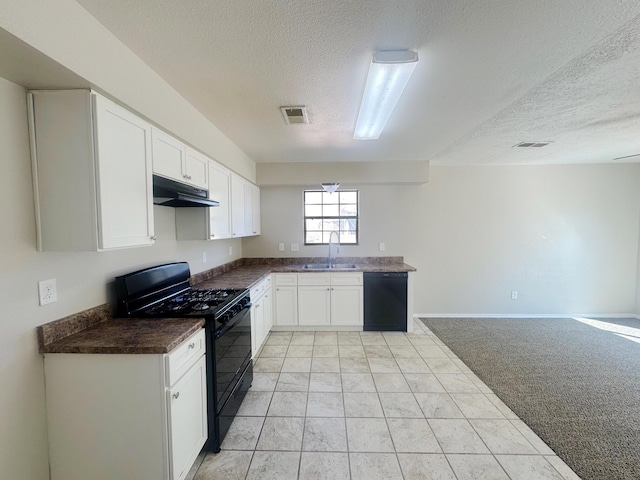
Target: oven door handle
[{"x": 232, "y": 323}]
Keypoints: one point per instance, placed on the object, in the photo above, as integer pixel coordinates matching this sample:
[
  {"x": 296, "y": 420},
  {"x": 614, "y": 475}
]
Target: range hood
[{"x": 170, "y": 193}]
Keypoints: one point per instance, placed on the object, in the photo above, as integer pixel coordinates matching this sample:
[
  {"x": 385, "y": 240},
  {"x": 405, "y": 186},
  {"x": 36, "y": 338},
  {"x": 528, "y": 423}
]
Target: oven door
[{"x": 233, "y": 354}]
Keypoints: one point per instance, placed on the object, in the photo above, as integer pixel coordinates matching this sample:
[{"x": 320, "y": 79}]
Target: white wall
[
  {"x": 82, "y": 281},
  {"x": 565, "y": 237}
]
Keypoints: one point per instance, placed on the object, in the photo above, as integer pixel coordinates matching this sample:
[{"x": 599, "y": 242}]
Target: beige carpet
[{"x": 577, "y": 385}]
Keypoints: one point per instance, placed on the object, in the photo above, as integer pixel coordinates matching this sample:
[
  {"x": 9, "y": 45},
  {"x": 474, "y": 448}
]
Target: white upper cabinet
[
  {"x": 92, "y": 172},
  {"x": 245, "y": 207},
  {"x": 251, "y": 209},
  {"x": 238, "y": 222},
  {"x": 168, "y": 155},
  {"x": 197, "y": 169},
  {"x": 173, "y": 159},
  {"x": 208, "y": 223},
  {"x": 220, "y": 191}
]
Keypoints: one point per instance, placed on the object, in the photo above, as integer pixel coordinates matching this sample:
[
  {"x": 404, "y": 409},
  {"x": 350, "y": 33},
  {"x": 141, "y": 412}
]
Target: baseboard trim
[{"x": 525, "y": 315}]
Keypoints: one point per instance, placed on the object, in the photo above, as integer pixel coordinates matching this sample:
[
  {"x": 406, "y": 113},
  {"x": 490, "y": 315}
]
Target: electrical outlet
[
  {"x": 514, "y": 294},
  {"x": 381, "y": 247},
  {"x": 281, "y": 247},
  {"x": 230, "y": 250},
  {"x": 295, "y": 247},
  {"x": 47, "y": 291},
  {"x": 204, "y": 257}
]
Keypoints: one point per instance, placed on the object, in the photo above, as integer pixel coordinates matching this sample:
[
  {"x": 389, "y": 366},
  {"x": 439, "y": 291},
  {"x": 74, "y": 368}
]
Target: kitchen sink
[{"x": 326, "y": 266}]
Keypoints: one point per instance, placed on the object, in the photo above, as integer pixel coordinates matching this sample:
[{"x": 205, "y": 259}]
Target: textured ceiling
[{"x": 491, "y": 74}]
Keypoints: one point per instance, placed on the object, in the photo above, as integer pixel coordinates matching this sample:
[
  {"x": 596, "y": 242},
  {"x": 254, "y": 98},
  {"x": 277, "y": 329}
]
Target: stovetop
[{"x": 195, "y": 302}]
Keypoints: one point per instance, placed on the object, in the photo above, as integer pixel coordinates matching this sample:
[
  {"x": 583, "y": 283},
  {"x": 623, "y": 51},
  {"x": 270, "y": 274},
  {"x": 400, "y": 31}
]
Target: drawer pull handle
[
  {"x": 192, "y": 345},
  {"x": 176, "y": 395}
]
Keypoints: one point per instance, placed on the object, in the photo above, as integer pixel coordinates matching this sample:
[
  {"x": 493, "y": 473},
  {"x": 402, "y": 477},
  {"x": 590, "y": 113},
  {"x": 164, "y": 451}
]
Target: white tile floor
[{"x": 374, "y": 406}]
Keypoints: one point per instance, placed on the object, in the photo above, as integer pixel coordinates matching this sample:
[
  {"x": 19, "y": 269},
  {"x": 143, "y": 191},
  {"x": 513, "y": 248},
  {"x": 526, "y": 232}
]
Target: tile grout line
[{"x": 404, "y": 374}]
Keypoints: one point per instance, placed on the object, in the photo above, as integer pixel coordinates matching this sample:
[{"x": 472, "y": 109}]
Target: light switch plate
[
  {"x": 381, "y": 247},
  {"x": 295, "y": 247},
  {"x": 47, "y": 291},
  {"x": 281, "y": 247}
]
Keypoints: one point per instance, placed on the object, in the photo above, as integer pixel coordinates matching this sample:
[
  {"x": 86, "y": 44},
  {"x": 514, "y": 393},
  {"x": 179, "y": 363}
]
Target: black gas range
[{"x": 165, "y": 291}]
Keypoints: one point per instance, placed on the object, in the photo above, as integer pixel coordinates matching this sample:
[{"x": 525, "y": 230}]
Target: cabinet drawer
[
  {"x": 285, "y": 279},
  {"x": 260, "y": 289},
  {"x": 184, "y": 356},
  {"x": 314, "y": 278},
  {"x": 351, "y": 278}
]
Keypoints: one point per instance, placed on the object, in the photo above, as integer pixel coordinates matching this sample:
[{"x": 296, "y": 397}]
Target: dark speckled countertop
[
  {"x": 94, "y": 331},
  {"x": 252, "y": 270}
]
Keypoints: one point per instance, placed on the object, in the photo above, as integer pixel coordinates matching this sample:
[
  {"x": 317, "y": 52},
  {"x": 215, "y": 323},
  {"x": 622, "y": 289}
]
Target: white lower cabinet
[
  {"x": 314, "y": 305},
  {"x": 321, "y": 299},
  {"x": 141, "y": 416},
  {"x": 261, "y": 314},
  {"x": 285, "y": 310},
  {"x": 347, "y": 305}
]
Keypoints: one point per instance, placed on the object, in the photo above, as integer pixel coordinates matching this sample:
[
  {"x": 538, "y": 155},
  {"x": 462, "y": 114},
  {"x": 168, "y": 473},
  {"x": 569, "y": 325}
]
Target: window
[{"x": 327, "y": 212}]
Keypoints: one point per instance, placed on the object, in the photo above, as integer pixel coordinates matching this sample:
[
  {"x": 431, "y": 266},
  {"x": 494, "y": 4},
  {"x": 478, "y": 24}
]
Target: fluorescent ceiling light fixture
[
  {"x": 330, "y": 187},
  {"x": 389, "y": 73}
]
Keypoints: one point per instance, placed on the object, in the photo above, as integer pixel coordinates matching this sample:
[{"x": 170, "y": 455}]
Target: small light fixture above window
[
  {"x": 389, "y": 73},
  {"x": 330, "y": 187}
]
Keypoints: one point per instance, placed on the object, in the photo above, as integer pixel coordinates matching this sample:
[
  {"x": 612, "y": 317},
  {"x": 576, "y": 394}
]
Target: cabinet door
[
  {"x": 255, "y": 196},
  {"x": 251, "y": 209},
  {"x": 268, "y": 314},
  {"x": 187, "y": 413},
  {"x": 286, "y": 311},
  {"x": 237, "y": 206},
  {"x": 168, "y": 156},
  {"x": 346, "y": 305},
  {"x": 248, "y": 209},
  {"x": 314, "y": 305},
  {"x": 220, "y": 191},
  {"x": 257, "y": 325},
  {"x": 124, "y": 178},
  {"x": 196, "y": 169}
]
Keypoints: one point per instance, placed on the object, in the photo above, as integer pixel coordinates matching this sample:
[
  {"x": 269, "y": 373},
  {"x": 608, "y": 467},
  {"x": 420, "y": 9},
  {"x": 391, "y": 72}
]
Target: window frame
[{"x": 356, "y": 217}]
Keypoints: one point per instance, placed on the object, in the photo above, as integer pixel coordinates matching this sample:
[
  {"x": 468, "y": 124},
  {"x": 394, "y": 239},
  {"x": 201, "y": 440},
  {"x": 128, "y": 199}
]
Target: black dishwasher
[{"x": 385, "y": 301}]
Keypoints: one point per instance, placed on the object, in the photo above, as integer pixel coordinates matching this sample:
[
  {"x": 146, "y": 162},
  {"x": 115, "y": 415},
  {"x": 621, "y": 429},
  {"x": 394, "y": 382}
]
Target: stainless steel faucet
[{"x": 330, "y": 243}]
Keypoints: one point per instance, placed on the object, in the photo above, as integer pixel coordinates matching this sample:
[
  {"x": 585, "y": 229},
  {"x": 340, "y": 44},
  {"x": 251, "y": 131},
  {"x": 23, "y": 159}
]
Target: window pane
[
  {"x": 313, "y": 210},
  {"x": 348, "y": 237},
  {"x": 348, "y": 197},
  {"x": 330, "y": 225},
  {"x": 348, "y": 210},
  {"x": 313, "y": 223},
  {"x": 330, "y": 197},
  {"x": 331, "y": 210},
  {"x": 325, "y": 237},
  {"x": 314, "y": 237},
  {"x": 313, "y": 197},
  {"x": 348, "y": 225}
]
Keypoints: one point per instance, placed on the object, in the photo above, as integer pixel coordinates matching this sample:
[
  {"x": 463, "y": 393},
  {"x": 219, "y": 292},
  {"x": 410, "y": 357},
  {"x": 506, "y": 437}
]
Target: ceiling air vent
[
  {"x": 532, "y": 144},
  {"x": 294, "y": 115}
]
